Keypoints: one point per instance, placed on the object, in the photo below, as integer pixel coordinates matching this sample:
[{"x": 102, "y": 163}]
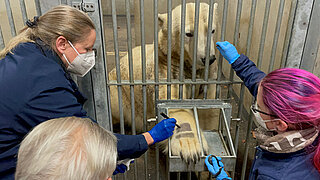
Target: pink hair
[{"x": 294, "y": 96}]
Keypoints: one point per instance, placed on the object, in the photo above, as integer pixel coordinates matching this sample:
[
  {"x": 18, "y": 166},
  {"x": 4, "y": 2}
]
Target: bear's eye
[
  {"x": 189, "y": 34},
  {"x": 213, "y": 31}
]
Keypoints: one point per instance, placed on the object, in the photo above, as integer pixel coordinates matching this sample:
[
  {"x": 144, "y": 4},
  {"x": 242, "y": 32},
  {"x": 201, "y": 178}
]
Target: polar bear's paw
[{"x": 187, "y": 145}]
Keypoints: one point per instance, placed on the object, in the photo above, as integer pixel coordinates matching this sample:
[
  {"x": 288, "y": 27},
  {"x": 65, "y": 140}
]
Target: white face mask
[
  {"x": 258, "y": 121},
  {"x": 82, "y": 64}
]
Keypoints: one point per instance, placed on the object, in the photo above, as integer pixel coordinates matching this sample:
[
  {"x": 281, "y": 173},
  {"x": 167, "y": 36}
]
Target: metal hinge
[{"x": 85, "y": 7}]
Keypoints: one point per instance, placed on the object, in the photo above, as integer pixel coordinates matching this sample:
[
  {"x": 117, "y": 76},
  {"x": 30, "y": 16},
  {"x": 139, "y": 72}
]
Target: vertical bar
[
  {"x": 116, "y": 49},
  {"x": 239, "y": 115},
  {"x": 264, "y": 32},
  {"x": 208, "y": 47},
  {"x": 235, "y": 42},
  {"x": 169, "y": 5},
  {"x": 144, "y": 90},
  {"x": 252, "y": 14},
  {"x": 195, "y": 111},
  {"x": 261, "y": 48},
  {"x": 246, "y": 151},
  {"x": 130, "y": 62},
  {"x": 63, "y": 2},
  {"x": 1, "y": 40},
  {"x": 294, "y": 4},
  {"x": 156, "y": 55},
  {"x": 250, "y": 29},
  {"x": 23, "y": 10},
  {"x": 189, "y": 175},
  {"x": 10, "y": 18},
  {"x": 182, "y": 35},
  {"x": 223, "y": 32},
  {"x": 38, "y": 8},
  {"x": 156, "y": 75},
  {"x": 103, "y": 58},
  {"x": 276, "y": 35},
  {"x": 195, "y": 46}
]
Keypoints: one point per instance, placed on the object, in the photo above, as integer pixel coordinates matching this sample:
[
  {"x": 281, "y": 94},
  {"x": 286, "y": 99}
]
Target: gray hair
[{"x": 67, "y": 148}]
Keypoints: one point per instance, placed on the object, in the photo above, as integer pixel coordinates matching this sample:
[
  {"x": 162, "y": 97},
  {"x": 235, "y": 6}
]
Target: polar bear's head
[{"x": 189, "y": 33}]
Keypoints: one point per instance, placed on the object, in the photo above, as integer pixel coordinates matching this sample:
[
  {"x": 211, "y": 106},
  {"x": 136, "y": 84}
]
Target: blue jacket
[
  {"x": 268, "y": 165},
  {"x": 34, "y": 87}
]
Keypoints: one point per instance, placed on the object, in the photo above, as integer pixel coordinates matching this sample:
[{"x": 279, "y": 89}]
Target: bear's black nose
[{"x": 212, "y": 59}]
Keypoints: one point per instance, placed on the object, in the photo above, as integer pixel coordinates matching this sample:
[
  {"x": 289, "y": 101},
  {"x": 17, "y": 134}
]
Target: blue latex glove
[
  {"x": 228, "y": 51},
  {"x": 163, "y": 130},
  {"x": 214, "y": 168},
  {"x": 121, "y": 168}
]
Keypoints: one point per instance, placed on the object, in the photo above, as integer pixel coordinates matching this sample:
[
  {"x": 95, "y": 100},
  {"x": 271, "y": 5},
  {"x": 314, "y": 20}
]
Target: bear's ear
[{"x": 162, "y": 18}]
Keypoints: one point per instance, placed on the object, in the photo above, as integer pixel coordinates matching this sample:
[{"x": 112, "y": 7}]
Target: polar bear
[{"x": 184, "y": 142}]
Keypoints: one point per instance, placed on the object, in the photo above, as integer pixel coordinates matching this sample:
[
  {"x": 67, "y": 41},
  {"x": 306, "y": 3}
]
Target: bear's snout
[{"x": 211, "y": 60}]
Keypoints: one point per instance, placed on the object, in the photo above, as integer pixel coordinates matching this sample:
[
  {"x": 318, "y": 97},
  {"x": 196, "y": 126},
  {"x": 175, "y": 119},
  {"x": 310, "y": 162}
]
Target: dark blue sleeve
[
  {"x": 60, "y": 102},
  {"x": 248, "y": 73},
  {"x": 131, "y": 146}
]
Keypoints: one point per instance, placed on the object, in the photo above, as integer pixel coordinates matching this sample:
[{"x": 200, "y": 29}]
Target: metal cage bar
[
  {"x": 130, "y": 62},
  {"x": 250, "y": 29},
  {"x": 249, "y": 38},
  {"x": 276, "y": 35},
  {"x": 117, "y": 61},
  {"x": 10, "y": 18},
  {"x": 144, "y": 88},
  {"x": 264, "y": 32},
  {"x": 174, "y": 81},
  {"x": 235, "y": 42},
  {"x": 23, "y": 10},
  {"x": 195, "y": 111},
  {"x": 38, "y": 7},
  {"x": 195, "y": 46},
  {"x": 182, "y": 35},
  {"x": 285, "y": 50},
  {"x": 208, "y": 47},
  {"x": 223, "y": 32},
  {"x": 169, "y": 7},
  {"x": 1, "y": 39}
]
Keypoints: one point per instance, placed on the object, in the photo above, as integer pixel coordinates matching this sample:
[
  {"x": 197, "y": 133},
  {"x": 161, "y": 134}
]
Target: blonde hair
[
  {"x": 67, "y": 148},
  {"x": 61, "y": 20}
]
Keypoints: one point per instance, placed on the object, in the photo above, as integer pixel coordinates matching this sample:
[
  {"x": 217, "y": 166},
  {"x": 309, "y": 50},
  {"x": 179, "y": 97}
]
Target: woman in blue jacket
[
  {"x": 35, "y": 84},
  {"x": 287, "y": 114}
]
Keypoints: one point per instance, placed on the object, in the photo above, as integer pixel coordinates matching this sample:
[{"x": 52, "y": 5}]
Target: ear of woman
[
  {"x": 61, "y": 44},
  {"x": 281, "y": 126}
]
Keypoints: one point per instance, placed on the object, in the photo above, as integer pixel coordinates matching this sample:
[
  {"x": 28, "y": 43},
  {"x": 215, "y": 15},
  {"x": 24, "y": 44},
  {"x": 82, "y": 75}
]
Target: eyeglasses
[{"x": 255, "y": 109}]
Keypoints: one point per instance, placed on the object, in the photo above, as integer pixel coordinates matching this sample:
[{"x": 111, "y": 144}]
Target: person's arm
[
  {"x": 133, "y": 146},
  {"x": 242, "y": 65},
  {"x": 247, "y": 71}
]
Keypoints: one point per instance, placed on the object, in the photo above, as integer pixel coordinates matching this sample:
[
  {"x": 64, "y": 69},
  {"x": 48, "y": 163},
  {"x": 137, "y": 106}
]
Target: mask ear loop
[
  {"x": 73, "y": 47},
  {"x": 66, "y": 59}
]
